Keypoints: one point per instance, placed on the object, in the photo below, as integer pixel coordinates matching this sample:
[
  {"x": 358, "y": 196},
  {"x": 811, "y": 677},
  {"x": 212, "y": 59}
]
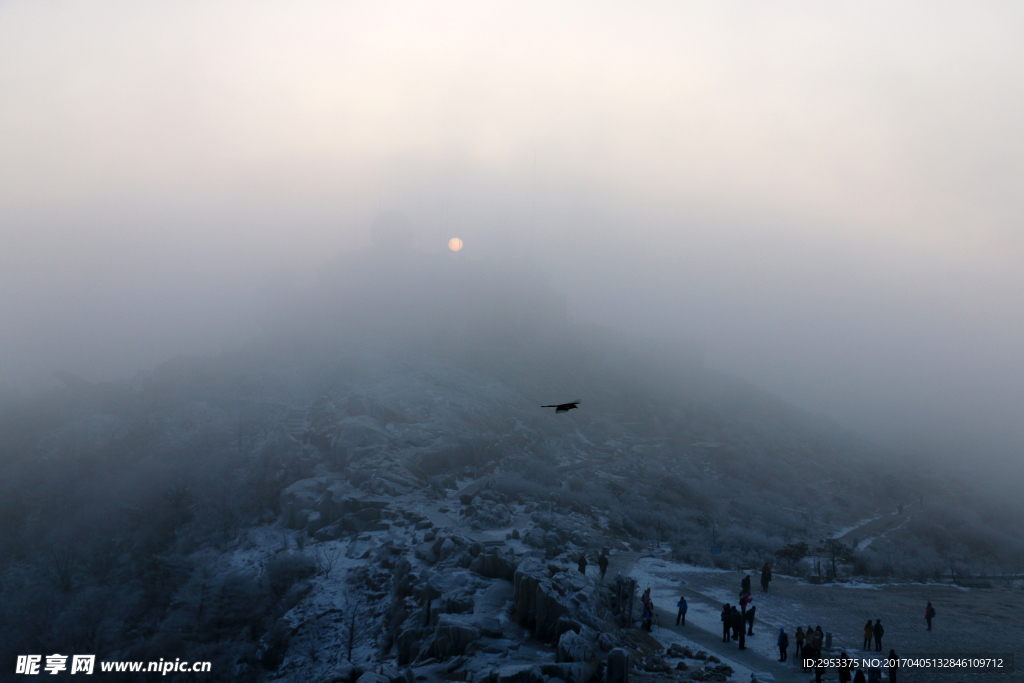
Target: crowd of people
[{"x": 738, "y": 623}]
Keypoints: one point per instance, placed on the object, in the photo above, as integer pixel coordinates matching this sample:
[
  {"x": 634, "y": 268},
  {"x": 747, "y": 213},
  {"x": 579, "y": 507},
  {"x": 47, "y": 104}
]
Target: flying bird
[{"x": 563, "y": 407}]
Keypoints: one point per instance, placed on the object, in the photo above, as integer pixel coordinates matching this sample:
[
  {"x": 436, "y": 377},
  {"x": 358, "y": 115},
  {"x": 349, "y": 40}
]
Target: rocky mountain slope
[{"x": 357, "y": 494}]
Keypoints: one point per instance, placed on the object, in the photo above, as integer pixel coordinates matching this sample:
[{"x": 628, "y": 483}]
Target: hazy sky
[{"x": 827, "y": 194}]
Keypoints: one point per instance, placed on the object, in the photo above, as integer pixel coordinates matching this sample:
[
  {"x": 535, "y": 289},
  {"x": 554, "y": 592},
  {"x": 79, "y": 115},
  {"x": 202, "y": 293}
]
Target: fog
[{"x": 826, "y": 198}]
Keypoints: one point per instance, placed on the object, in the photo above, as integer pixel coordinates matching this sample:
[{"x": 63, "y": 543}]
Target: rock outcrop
[{"x": 538, "y": 604}]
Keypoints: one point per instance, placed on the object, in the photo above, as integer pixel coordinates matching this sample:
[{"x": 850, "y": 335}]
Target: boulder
[
  {"x": 456, "y": 604},
  {"x": 573, "y": 647},
  {"x": 447, "y": 548},
  {"x": 371, "y": 677},
  {"x": 678, "y": 651},
  {"x": 516, "y": 673},
  {"x": 315, "y": 523},
  {"x": 553, "y": 544},
  {"x": 497, "y": 646},
  {"x": 390, "y": 672},
  {"x": 330, "y": 532},
  {"x": 655, "y": 664},
  {"x": 580, "y": 538},
  {"x": 302, "y": 495},
  {"x": 490, "y": 606},
  {"x": 353, "y": 523},
  {"x": 536, "y": 601},
  {"x": 723, "y": 669},
  {"x": 423, "y": 552},
  {"x": 369, "y": 514},
  {"x": 490, "y": 627},
  {"x": 493, "y": 565},
  {"x": 408, "y": 644},
  {"x": 572, "y": 672},
  {"x": 534, "y": 538},
  {"x": 327, "y": 507},
  {"x": 452, "y": 635},
  {"x": 341, "y": 674},
  {"x": 618, "y": 666},
  {"x": 565, "y": 624}
]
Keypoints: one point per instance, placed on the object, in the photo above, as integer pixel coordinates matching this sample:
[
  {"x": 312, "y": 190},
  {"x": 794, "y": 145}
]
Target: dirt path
[
  {"x": 985, "y": 622},
  {"x": 711, "y": 640},
  {"x": 879, "y": 526},
  {"x": 783, "y": 672},
  {"x": 973, "y": 621}
]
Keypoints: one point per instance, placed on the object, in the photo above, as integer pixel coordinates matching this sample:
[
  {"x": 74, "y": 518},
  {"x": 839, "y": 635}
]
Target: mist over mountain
[
  {"x": 290, "y": 295},
  {"x": 182, "y": 510}
]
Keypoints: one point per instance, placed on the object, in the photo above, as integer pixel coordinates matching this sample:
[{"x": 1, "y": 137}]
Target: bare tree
[
  {"x": 326, "y": 559},
  {"x": 793, "y": 553},
  {"x": 837, "y": 551},
  {"x": 63, "y": 563}
]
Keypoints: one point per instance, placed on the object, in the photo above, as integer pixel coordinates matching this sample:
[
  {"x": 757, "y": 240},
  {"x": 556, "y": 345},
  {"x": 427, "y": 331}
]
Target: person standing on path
[
  {"x": 929, "y": 614},
  {"x": 844, "y": 668},
  {"x": 799, "y": 638},
  {"x": 766, "y": 577},
  {"x": 739, "y": 627},
  {"x": 859, "y": 676},
  {"x": 602, "y": 562},
  {"x": 745, "y": 600},
  {"x": 807, "y": 655},
  {"x": 745, "y": 584},
  {"x": 868, "y": 631},
  {"x": 894, "y": 663},
  {"x": 583, "y": 564},
  {"x": 749, "y": 616},
  {"x": 877, "y": 633},
  {"x": 681, "y": 615},
  {"x": 783, "y": 644},
  {"x": 726, "y": 622},
  {"x": 819, "y": 641},
  {"x": 648, "y": 615}
]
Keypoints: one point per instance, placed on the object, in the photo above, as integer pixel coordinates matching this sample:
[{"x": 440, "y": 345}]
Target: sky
[{"x": 826, "y": 195}]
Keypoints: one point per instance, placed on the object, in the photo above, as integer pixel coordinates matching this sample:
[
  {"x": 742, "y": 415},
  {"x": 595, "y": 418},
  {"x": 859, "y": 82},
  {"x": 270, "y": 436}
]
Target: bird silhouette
[{"x": 563, "y": 407}]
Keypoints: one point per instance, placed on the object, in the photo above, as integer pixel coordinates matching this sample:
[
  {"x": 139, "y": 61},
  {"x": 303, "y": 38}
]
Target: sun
[{"x": 455, "y": 244}]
